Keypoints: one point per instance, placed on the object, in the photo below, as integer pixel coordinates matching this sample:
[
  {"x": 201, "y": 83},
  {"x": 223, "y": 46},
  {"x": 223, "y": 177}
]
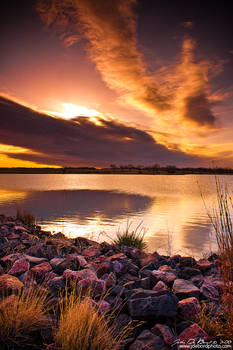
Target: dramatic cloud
[
  {"x": 110, "y": 28},
  {"x": 193, "y": 93},
  {"x": 83, "y": 141}
]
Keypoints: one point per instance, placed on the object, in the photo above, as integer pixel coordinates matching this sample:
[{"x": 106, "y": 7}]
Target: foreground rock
[{"x": 163, "y": 292}]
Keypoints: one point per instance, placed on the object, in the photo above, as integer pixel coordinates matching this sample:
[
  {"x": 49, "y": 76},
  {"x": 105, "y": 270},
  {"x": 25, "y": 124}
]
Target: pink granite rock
[
  {"x": 41, "y": 270},
  {"x": 79, "y": 275},
  {"x": 189, "y": 308},
  {"x": 9, "y": 283},
  {"x": 194, "y": 333},
  {"x": 164, "y": 332},
  {"x": 20, "y": 266},
  {"x": 159, "y": 286},
  {"x": 91, "y": 252},
  {"x": 93, "y": 287}
]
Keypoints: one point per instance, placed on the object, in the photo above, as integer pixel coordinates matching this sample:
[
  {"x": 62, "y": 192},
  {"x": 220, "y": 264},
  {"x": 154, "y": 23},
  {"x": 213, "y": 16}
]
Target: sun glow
[{"x": 70, "y": 110}]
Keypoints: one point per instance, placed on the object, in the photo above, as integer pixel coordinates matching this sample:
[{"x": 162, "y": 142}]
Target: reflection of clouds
[
  {"x": 81, "y": 205},
  {"x": 166, "y": 206},
  {"x": 8, "y": 196},
  {"x": 198, "y": 238}
]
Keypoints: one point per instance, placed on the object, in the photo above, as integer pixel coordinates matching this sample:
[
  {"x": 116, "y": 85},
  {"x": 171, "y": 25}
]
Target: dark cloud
[
  {"x": 198, "y": 109},
  {"x": 80, "y": 141}
]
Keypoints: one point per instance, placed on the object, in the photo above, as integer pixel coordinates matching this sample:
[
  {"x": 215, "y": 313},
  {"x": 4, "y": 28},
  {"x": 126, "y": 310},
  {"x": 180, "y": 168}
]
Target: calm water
[{"x": 169, "y": 208}]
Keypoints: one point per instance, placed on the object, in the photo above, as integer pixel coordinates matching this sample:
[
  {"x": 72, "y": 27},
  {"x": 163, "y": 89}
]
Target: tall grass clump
[
  {"x": 25, "y": 217},
  {"x": 81, "y": 325},
  {"x": 222, "y": 221},
  {"x": 134, "y": 238},
  {"x": 22, "y": 318}
]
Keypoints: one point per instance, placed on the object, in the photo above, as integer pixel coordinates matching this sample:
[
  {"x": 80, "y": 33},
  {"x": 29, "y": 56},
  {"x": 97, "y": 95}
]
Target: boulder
[
  {"x": 209, "y": 291},
  {"x": 110, "y": 280},
  {"x": 119, "y": 256},
  {"x": 20, "y": 266},
  {"x": 195, "y": 333},
  {"x": 188, "y": 272},
  {"x": 160, "y": 304},
  {"x": 104, "y": 306},
  {"x": 165, "y": 276},
  {"x": 91, "y": 252},
  {"x": 93, "y": 287},
  {"x": 164, "y": 332},
  {"x": 68, "y": 263},
  {"x": 9, "y": 283},
  {"x": 56, "y": 261},
  {"x": 187, "y": 261},
  {"x": 33, "y": 260},
  {"x": 39, "y": 271},
  {"x": 189, "y": 308},
  {"x": 204, "y": 265},
  {"x": 79, "y": 275},
  {"x": 159, "y": 286},
  {"x": 147, "y": 340},
  {"x": 184, "y": 289},
  {"x": 57, "y": 285}
]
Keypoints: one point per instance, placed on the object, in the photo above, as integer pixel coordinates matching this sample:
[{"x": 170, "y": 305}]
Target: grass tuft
[
  {"x": 133, "y": 238},
  {"x": 22, "y": 318},
  {"x": 26, "y": 218},
  {"x": 81, "y": 325}
]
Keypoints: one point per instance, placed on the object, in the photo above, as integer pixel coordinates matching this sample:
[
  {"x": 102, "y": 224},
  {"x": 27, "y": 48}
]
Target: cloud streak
[
  {"x": 110, "y": 28},
  {"x": 81, "y": 142}
]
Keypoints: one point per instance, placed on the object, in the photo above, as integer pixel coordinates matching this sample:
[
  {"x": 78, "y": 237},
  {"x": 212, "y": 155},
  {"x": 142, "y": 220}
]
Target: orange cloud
[{"x": 110, "y": 28}]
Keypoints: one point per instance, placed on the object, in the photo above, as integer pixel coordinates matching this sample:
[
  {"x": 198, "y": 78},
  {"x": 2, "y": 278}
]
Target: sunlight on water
[{"x": 170, "y": 208}]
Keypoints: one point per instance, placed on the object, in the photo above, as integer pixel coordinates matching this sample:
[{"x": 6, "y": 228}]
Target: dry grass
[
  {"x": 22, "y": 317},
  {"x": 222, "y": 222},
  {"x": 26, "y": 218},
  {"x": 81, "y": 325}
]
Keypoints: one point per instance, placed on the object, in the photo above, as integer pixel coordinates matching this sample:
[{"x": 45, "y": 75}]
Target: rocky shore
[{"x": 165, "y": 292}]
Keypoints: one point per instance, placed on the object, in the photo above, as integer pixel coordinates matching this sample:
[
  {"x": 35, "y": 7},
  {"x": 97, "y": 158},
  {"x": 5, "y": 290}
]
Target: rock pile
[{"x": 164, "y": 292}]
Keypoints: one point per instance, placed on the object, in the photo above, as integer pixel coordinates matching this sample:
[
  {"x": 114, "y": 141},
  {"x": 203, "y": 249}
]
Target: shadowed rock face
[{"x": 160, "y": 304}]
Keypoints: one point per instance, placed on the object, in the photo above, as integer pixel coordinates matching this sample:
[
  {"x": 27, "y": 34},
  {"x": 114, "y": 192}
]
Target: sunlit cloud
[
  {"x": 110, "y": 28},
  {"x": 80, "y": 141},
  {"x": 178, "y": 95}
]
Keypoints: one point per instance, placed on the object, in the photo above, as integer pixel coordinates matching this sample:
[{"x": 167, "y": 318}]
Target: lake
[{"x": 169, "y": 208}]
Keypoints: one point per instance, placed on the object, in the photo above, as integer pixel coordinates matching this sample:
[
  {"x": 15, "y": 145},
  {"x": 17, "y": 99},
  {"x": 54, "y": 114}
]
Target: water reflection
[
  {"x": 78, "y": 207},
  {"x": 169, "y": 207}
]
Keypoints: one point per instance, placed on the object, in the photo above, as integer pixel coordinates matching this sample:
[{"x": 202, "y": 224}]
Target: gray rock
[
  {"x": 57, "y": 285},
  {"x": 147, "y": 340},
  {"x": 185, "y": 289},
  {"x": 33, "y": 260},
  {"x": 159, "y": 304},
  {"x": 209, "y": 291}
]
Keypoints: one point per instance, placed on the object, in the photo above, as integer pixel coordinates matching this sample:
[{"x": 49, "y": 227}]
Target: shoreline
[
  {"x": 165, "y": 292},
  {"x": 120, "y": 171}
]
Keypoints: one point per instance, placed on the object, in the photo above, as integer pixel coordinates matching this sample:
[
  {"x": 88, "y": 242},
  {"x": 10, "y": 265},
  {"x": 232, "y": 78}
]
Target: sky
[{"x": 94, "y": 83}]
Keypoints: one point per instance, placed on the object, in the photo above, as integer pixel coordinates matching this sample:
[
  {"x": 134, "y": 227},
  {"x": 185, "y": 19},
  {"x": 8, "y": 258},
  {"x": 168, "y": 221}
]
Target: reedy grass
[
  {"x": 81, "y": 325},
  {"x": 222, "y": 221},
  {"x": 22, "y": 318},
  {"x": 134, "y": 238},
  {"x": 25, "y": 217}
]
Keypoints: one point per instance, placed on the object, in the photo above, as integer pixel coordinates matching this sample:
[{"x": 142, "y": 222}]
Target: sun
[{"x": 70, "y": 111}]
